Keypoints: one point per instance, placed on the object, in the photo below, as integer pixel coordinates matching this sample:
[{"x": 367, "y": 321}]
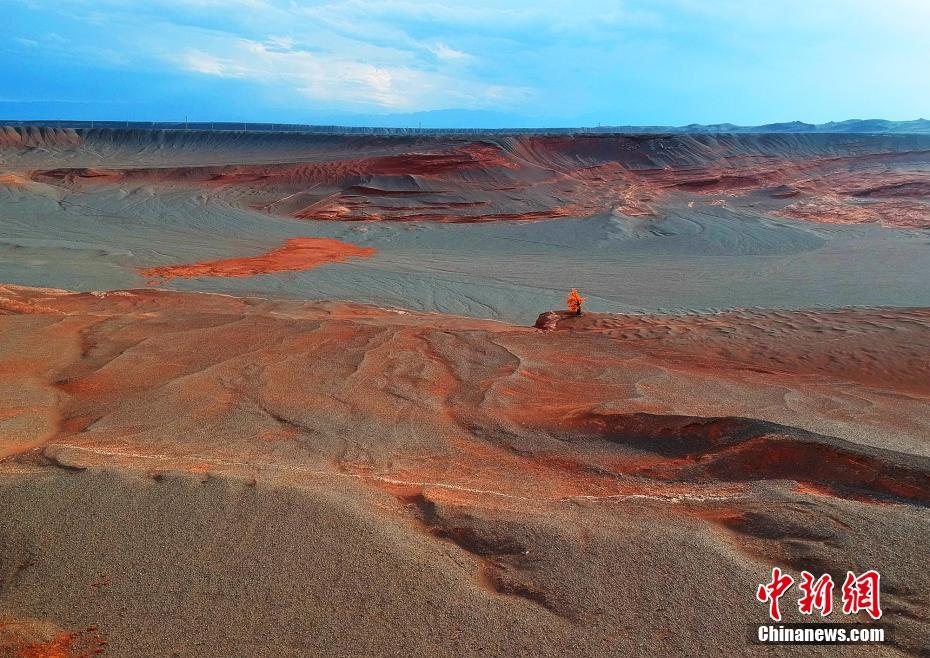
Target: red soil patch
[
  {"x": 343, "y": 213},
  {"x": 886, "y": 212},
  {"x": 297, "y": 255},
  {"x": 597, "y": 406},
  {"x": 82, "y": 644},
  {"x": 12, "y": 179},
  {"x": 58, "y": 647}
]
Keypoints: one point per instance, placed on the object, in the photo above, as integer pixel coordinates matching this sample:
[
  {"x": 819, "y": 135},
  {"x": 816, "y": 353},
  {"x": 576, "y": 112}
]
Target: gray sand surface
[{"x": 694, "y": 259}]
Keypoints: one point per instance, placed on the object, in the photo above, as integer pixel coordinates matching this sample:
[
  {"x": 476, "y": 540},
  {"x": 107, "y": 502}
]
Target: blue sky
[{"x": 476, "y": 63}]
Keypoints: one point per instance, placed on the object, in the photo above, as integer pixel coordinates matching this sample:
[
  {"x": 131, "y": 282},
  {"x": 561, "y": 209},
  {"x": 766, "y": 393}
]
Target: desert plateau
[{"x": 296, "y": 394}]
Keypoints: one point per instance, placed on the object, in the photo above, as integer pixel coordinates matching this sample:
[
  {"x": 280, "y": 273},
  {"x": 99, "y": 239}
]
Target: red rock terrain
[
  {"x": 819, "y": 178},
  {"x": 296, "y": 255},
  {"x": 554, "y": 484},
  {"x": 200, "y": 474}
]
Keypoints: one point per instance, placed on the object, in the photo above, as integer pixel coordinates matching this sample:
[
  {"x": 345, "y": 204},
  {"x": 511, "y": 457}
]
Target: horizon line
[{"x": 796, "y": 126}]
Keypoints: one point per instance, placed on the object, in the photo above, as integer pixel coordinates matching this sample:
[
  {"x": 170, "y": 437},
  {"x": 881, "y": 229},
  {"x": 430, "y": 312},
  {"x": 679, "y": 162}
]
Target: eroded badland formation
[{"x": 282, "y": 394}]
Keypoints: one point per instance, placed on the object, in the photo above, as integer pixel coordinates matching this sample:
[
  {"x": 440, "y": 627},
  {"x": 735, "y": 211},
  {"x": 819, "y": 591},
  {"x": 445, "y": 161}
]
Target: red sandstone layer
[
  {"x": 524, "y": 468},
  {"x": 479, "y": 405},
  {"x": 545, "y": 177},
  {"x": 297, "y": 255}
]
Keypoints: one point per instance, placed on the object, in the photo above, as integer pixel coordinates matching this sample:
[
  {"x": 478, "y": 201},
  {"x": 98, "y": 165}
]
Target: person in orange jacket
[{"x": 575, "y": 301}]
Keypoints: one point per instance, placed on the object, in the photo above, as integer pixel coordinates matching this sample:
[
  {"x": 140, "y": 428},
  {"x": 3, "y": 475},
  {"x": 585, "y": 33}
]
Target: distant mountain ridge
[
  {"x": 849, "y": 126},
  {"x": 919, "y": 126}
]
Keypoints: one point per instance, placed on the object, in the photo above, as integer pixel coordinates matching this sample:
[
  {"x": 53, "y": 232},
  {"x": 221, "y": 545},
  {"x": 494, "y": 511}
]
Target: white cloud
[
  {"x": 336, "y": 78},
  {"x": 518, "y": 55},
  {"x": 444, "y": 52},
  {"x": 282, "y": 43},
  {"x": 201, "y": 62}
]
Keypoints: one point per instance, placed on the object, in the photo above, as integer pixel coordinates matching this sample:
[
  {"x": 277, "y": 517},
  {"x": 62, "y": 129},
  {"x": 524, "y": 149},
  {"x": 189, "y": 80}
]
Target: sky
[{"x": 475, "y": 63}]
